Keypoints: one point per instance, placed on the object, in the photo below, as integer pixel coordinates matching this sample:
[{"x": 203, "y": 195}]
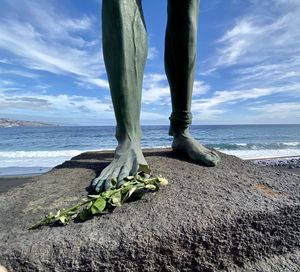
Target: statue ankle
[
  {"x": 179, "y": 123},
  {"x": 181, "y": 133}
]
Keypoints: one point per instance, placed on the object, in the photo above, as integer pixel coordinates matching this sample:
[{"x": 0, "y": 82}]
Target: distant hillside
[{"x": 5, "y": 123}]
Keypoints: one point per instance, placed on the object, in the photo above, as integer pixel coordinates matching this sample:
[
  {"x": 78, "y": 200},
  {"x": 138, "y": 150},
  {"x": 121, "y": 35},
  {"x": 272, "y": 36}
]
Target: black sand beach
[
  {"x": 8, "y": 182},
  {"x": 290, "y": 164}
]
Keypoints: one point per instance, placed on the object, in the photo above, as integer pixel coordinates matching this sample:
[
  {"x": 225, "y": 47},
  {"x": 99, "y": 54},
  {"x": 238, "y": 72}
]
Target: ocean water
[{"x": 25, "y": 150}]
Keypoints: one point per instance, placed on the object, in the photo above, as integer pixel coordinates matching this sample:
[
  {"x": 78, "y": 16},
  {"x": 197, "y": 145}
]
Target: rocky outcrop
[{"x": 233, "y": 217}]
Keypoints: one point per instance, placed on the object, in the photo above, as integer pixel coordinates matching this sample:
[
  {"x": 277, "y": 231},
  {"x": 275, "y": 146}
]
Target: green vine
[{"x": 97, "y": 204}]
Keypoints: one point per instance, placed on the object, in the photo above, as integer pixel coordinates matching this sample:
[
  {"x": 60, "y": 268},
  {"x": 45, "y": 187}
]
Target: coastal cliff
[{"x": 6, "y": 123}]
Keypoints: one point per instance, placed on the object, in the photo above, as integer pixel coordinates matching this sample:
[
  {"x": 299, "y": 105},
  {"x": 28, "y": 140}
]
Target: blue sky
[{"x": 248, "y": 65}]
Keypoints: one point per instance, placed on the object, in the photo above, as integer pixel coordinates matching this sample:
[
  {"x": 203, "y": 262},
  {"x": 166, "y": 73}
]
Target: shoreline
[
  {"x": 290, "y": 164},
  {"x": 9, "y": 182},
  {"x": 272, "y": 158},
  {"x": 284, "y": 163},
  {"x": 23, "y": 171}
]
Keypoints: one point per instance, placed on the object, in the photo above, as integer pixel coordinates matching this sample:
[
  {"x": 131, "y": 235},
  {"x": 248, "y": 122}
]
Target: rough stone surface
[{"x": 233, "y": 217}]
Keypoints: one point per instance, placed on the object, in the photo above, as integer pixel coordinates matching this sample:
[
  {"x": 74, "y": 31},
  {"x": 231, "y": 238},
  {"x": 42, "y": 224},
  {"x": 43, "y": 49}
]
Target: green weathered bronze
[{"x": 125, "y": 52}]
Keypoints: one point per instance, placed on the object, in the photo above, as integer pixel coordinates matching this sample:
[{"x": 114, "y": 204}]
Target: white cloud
[
  {"x": 219, "y": 102},
  {"x": 62, "y": 105},
  {"x": 4, "y": 83},
  {"x": 263, "y": 44},
  {"x": 69, "y": 108},
  {"x": 5, "y": 61},
  {"x": 25, "y": 103},
  {"x": 18, "y": 72},
  {"x": 157, "y": 95},
  {"x": 157, "y": 91},
  {"x": 146, "y": 116},
  {"x": 281, "y": 112},
  {"x": 258, "y": 58},
  {"x": 251, "y": 38},
  {"x": 51, "y": 41},
  {"x": 269, "y": 74},
  {"x": 278, "y": 108},
  {"x": 152, "y": 53},
  {"x": 207, "y": 72},
  {"x": 8, "y": 86},
  {"x": 200, "y": 88}
]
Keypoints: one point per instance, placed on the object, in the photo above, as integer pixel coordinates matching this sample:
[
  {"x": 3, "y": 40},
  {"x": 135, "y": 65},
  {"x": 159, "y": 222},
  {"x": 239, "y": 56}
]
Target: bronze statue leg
[
  {"x": 125, "y": 53},
  {"x": 180, "y": 59}
]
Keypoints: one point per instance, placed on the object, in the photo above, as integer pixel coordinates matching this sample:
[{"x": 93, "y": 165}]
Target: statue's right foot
[{"x": 128, "y": 160}]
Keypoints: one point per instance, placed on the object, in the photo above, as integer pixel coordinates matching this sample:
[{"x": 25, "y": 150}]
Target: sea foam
[
  {"x": 262, "y": 153},
  {"x": 36, "y": 158}
]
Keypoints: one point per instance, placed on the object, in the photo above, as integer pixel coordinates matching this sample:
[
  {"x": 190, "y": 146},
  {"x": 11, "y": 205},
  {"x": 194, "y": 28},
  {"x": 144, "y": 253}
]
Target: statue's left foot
[{"x": 186, "y": 144}]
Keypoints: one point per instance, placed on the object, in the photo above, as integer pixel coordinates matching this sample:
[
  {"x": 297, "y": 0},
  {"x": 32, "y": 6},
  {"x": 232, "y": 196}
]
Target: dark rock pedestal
[{"x": 233, "y": 217}]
